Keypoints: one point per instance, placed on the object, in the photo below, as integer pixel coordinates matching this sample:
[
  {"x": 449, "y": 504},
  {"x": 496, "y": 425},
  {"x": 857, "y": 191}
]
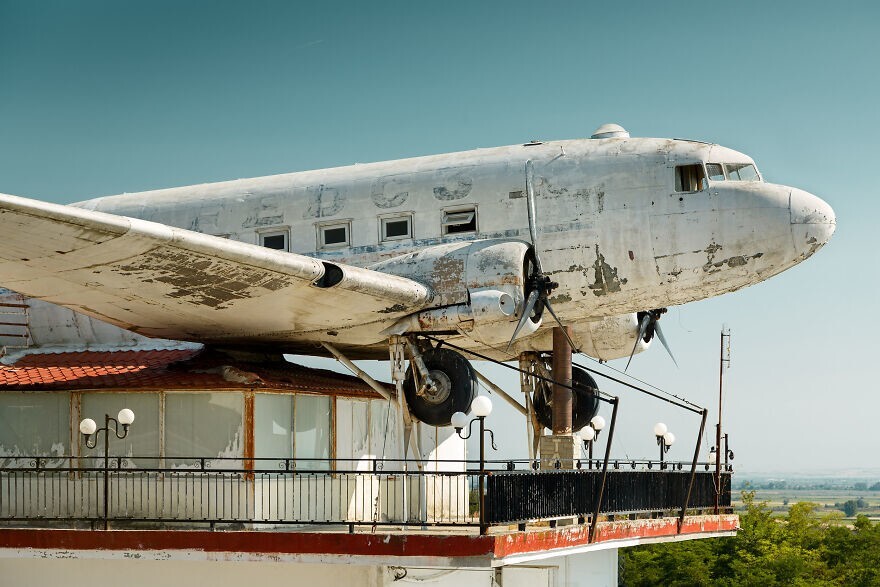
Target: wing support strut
[
  {"x": 360, "y": 373},
  {"x": 410, "y": 439}
]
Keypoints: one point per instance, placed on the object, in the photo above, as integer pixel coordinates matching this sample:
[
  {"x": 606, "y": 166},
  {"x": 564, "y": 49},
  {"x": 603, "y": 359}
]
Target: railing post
[
  {"x": 687, "y": 497},
  {"x": 604, "y": 471},
  {"x": 483, "y": 527}
]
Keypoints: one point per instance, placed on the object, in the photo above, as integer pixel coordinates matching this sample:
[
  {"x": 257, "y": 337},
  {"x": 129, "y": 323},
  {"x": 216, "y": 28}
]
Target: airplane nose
[{"x": 812, "y": 221}]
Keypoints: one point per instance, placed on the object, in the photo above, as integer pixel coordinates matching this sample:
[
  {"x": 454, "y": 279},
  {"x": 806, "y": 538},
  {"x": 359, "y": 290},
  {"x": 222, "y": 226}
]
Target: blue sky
[{"x": 99, "y": 98}]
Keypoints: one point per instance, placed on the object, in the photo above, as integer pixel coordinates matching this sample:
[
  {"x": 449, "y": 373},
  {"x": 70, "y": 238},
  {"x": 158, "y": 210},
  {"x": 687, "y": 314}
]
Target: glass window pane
[
  {"x": 204, "y": 425},
  {"x": 34, "y": 424},
  {"x": 334, "y": 236},
  {"x": 742, "y": 172},
  {"x": 143, "y": 434},
  {"x": 275, "y": 241},
  {"x": 396, "y": 228},
  {"x": 273, "y": 428},
  {"x": 716, "y": 173},
  {"x": 312, "y": 426}
]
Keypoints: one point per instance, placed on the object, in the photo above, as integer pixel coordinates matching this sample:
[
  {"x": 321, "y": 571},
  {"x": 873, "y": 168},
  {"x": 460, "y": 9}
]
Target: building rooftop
[{"x": 170, "y": 369}]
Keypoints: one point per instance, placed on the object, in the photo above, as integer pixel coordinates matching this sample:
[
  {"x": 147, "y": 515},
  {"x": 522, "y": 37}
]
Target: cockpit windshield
[
  {"x": 732, "y": 172},
  {"x": 741, "y": 172}
]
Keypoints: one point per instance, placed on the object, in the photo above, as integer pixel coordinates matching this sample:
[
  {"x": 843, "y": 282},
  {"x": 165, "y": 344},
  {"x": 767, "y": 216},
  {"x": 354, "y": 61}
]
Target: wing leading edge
[{"x": 173, "y": 283}]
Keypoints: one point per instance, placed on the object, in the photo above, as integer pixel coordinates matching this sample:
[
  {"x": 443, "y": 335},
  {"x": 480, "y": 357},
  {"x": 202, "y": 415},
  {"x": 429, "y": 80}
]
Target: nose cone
[{"x": 812, "y": 222}]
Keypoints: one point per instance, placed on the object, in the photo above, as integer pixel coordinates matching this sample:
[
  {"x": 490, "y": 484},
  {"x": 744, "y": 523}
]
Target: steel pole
[
  {"x": 482, "y": 475},
  {"x": 598, "y": 506},
  {"x": 718, "y": 428},
  {"x": 687, "y": 497},
  {"x": 106, "y": 469}
]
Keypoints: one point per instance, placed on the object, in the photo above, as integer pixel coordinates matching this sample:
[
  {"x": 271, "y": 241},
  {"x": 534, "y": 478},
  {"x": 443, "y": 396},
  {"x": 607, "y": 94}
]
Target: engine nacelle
[
  {"x": 610, "y": 338},
  {"x": 478, "y": 287}
]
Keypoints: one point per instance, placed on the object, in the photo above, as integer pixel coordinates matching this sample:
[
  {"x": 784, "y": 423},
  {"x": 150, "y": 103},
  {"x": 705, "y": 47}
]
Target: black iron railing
[{"x": 200, "y": 491}]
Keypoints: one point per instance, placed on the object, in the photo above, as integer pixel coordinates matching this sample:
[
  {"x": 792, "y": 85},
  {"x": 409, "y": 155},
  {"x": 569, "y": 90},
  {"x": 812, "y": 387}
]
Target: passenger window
[
  {"x": 397, "y": 228},
  {"x": 742, "y": 172},
  {"x": 715, "y": 171},
  {"x": 332, "y": 236},
  {"x": 458, "y": 221},
  {"x": 274, "y": 240},
  {"x": 689, "y": 178}
]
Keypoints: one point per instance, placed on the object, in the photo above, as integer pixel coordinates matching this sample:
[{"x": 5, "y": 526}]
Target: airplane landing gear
[
  {"x": 446, "y": 384},
  {"x": 585, "y": 402}
]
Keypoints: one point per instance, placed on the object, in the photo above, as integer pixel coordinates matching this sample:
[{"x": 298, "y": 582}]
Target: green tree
[
  {"x": 849, "y": 507},
  {"x": 802, "y": 549}
]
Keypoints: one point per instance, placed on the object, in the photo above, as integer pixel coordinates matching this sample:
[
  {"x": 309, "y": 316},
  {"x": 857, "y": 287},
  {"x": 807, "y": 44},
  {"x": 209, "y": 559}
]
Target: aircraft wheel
[
  {"x": 584, "y": 406},
  {"x": 456, "y": 387}
]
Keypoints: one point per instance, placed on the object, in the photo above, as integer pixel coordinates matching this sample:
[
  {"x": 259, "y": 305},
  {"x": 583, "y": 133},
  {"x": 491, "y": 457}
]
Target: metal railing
[{"x": 148, "y": 491}]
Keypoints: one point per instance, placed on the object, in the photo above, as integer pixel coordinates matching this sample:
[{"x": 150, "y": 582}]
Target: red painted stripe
[
  {"x": 575, "y": 536},
  {"x": 251, "y": 542},
  {"x": 399, "y": 545}
]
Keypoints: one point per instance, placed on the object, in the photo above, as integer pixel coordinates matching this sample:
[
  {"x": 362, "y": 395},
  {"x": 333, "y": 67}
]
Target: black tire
[
  {"x": 584, "y": 406},
  {"x": 459, "y": 382}
]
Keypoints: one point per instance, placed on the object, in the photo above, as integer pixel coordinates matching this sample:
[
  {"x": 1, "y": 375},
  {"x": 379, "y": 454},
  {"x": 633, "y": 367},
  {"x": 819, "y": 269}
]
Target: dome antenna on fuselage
[{"x": 610, "y": 131}]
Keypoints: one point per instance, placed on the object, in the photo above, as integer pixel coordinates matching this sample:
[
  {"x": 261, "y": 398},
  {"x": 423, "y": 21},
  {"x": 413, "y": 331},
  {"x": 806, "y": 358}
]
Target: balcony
[{"x": 353, "y": 496}]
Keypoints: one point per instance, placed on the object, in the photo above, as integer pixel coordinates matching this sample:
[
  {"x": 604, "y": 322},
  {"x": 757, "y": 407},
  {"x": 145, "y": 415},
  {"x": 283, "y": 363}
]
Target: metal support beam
[
  {"x": 377, "y": 387},
  {"x": 562, "y": 396},
  {"x": 504, "y": 395}
]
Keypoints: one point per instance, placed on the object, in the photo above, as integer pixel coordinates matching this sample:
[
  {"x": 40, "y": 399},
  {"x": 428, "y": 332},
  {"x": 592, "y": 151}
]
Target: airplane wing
[{"x": 167, "y": 282}]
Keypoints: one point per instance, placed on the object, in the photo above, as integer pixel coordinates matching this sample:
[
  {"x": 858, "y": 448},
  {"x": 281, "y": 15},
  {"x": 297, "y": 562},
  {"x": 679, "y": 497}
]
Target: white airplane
[{"x": 469, "y": 247}]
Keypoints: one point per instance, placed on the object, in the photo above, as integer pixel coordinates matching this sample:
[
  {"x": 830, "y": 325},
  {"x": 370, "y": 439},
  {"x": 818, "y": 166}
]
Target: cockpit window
[
  {"x": 715, "y": 171},
  {"x": 689, "y": 178},
  {"x": 742, "y": 172}
]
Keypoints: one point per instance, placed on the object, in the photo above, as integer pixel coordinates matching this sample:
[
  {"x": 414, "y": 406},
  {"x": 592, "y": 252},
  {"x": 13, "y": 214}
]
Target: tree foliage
[{"x": 801, "y": 549}]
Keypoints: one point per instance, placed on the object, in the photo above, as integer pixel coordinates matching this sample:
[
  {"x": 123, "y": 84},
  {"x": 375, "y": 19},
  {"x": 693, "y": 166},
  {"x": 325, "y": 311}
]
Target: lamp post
[
  {"x": 665, "y": 439},
  {"x": 728, "y": 454},
  {"x": 90, "y": 431},
  {"x": 590, "y": 433},
  {"x": 481, "y": 407}
]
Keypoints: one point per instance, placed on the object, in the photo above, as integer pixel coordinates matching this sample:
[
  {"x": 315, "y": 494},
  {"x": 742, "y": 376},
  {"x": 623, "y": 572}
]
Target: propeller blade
[
  {"x": 527, "y": 314},
  {"x": 643, "y": 328},
  {"x": 561, "y": 325},
  {"x": 662, "y": 338},
  {"x": 530, "y": 200}
]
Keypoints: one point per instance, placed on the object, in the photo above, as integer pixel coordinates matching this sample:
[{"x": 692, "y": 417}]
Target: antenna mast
[{"x": 724, "y": 364}]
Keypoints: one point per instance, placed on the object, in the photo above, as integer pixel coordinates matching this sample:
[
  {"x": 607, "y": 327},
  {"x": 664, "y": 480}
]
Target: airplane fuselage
[{"x": 623, "y": 224}]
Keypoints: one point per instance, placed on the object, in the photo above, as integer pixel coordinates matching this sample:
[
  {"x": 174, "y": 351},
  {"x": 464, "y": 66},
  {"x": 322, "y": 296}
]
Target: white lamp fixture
[
  {"x": 587, "y": 433},
  {"x": 669, "y": 438},
  {"x": 660, "y": 429},
  {"x": 125, "y": 417},
  {"x": 481, "y": 406},
  {"x": 459, "y": 420},
  {"x": 598, "y": 422},
  {"x": 88, "y": 426}
]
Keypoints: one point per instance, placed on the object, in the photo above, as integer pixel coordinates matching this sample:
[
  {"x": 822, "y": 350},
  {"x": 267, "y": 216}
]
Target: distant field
[{"x": 779, "y": 500}]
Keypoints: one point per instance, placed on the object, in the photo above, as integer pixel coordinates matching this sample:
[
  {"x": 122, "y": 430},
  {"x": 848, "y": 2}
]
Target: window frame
[
  {"x": 262, "y": 235},
  {"x": 322, "y": 227},
  {"x": 675, "y": 178},
  {"x": 447, "y": 212},
  {"x": 384, "y": 220}
]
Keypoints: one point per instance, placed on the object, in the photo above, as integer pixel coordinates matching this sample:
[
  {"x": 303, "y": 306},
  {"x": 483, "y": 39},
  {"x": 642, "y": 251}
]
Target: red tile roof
[{"x": 170, "y": 370}]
